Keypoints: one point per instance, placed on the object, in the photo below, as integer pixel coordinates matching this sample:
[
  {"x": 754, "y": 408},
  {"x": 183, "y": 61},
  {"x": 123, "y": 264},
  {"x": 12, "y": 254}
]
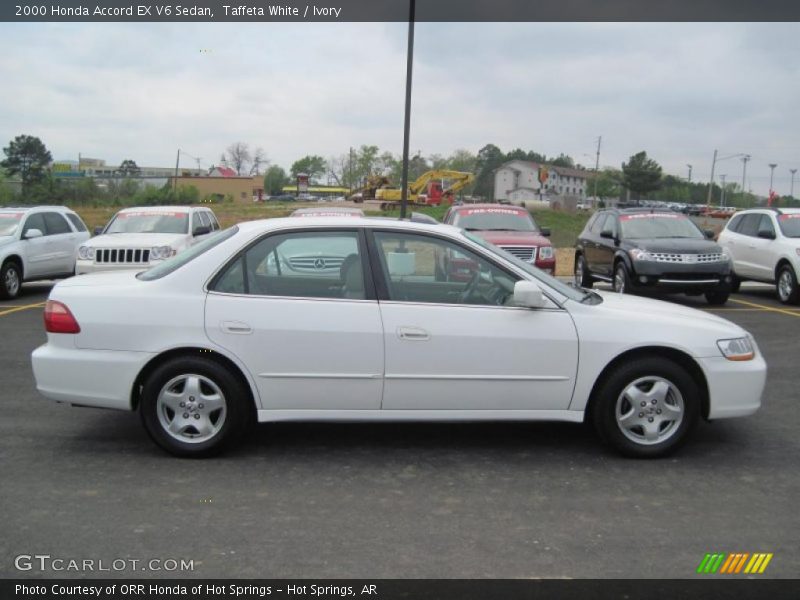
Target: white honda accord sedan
[{"x": 348, "y": 319}]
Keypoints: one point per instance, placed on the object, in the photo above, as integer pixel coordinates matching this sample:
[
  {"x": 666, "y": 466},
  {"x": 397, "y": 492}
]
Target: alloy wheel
[
  {"x": 11, "y": 281},
  {"x": 650, "y": 410},
  {"x": 191, "y": 408}
]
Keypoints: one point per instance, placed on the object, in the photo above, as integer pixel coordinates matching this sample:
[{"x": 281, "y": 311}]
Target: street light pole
[
  {"x": 771, "y": 172},
  {"x": 689, "y": 178},
  {"x": 597, "y": 167},
  {"x": 407, "y": 124},
  {"x": 745, "y": 158},
  {"x": 711, "y": 183},
  {"x": 722, "y": 193},
  {"x": 791, "y": 185}
]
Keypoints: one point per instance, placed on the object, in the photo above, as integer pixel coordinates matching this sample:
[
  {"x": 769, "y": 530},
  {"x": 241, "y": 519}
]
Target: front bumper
[
  {"x": 83, "y": 267},
  {"x": 679, "y": 277},
  {"x": 102, "y": 378},
  {"x": 734, "y": 387}
]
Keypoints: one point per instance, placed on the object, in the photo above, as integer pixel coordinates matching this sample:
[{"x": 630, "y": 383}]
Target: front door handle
[
  {"x": 236, "y": 327},
  {"x": 414, "y": 334}
]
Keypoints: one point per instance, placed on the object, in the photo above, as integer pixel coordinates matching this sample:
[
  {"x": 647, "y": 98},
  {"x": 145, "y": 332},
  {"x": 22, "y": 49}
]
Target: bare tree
[
  {"x": 259, "y": 160},
  {"x": 238, "y": 157}
]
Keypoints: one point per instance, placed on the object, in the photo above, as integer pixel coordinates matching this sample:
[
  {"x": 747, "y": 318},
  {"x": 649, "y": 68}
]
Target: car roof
[
  {"x": 345, "y": 221},
  {"x": 333, "y": 211},
  {"x": 160, "y": 208},
  {"x": 485, "y": 205},
  {"x": 30, "y": 208}
]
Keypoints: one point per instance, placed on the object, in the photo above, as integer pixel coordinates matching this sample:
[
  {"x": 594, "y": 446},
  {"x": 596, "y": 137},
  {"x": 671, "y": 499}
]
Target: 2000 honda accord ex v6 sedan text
[{"x": 346, "y": 319}]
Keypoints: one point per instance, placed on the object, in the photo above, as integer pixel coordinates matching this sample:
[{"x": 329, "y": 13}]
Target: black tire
[
  {"x": 581, "y": 275},
  {"x": 9, "y": 274},
  {"x": 717, "y": 298},
  {"x": 786, "y": 285},
  {"x": 622, "y": 279},
  {"x": 604, "y": 406},
  {"x": 237, "y": 402},
  {"x": 736, "y": 283}
]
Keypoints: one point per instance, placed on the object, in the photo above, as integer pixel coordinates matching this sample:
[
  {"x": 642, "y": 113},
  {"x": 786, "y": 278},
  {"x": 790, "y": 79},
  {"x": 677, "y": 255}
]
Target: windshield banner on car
[
  {"x": 151, "y": 213},
  {"x": 651, "y": 216},
  {"x": 483, "y": 211}
]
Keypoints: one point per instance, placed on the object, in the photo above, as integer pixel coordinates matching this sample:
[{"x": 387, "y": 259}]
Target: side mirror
[
  {"x": 709, "y": 233},
  {"x": 98, "y": 230},
  {"x": 33, "y": 233},
  {"x": 545, "y": 231},
  {"x": 201, "y": 230},
  {"x": 528, "y": 294},
  {"x": 767, "y": 234}
]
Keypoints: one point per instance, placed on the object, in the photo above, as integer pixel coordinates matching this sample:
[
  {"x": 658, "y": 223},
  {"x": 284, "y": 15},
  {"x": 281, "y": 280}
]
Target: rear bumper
[
  {"x": 735, "y": 388},
  {"x": 102, "y": 378}
]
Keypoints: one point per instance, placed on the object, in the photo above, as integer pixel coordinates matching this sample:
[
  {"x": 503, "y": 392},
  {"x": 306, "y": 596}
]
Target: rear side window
[
  {"x": 56, "y": 224},
  {"x": 76, "y": 222}
]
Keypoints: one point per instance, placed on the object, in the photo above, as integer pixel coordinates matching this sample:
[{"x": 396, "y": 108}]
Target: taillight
[{"x": 59, "y": 319}]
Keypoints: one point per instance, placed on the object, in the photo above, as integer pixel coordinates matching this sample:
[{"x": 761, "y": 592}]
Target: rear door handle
[
  {"x": 236, "y": 327},
  {"x": 413, "y": 334}
]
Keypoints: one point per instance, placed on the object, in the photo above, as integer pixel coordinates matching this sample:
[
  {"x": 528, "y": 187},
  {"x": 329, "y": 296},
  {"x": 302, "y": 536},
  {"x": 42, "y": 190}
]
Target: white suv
[
  {"x": 138, "y": 237},
  {"x": 764, "y": 245},
  {"x": 37, "y": 242}
]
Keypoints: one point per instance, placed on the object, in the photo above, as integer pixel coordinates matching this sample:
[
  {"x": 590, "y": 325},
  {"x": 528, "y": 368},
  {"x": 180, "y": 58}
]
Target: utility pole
[
  {"x": 689, "y": 178},
  {"x": 745, "y": 158},
  {"x": 711, "y": 183},
  {"x": 407, "y": 124},
  {"x": 596, "y": 167},
  {"x": 771, "y": 172},
  {"x": 722, "y": 196},
  {"x": 791, "y": 185},
  {"x": 350, "y": 167},
  {"x": 175, "y": 179}
]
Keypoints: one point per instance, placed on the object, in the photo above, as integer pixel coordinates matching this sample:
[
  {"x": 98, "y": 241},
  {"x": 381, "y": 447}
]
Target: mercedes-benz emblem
[{"x": 319, "y": 263}]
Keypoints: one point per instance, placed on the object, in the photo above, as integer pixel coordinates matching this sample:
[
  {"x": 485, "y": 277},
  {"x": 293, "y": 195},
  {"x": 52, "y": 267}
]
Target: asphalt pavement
[{"x": 397, "y": 500}]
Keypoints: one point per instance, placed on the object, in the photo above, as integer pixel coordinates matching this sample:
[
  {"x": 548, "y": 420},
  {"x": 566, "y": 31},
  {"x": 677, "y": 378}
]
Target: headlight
[
  {"x": 737, "y": 349},
  {"x": 639, "y": 254},
  {"x": 726, "y": 255},
  {"x": 86, "y": 253},
  {"x": 546, "y": 252},
  {"x": 161, "y": 252}
]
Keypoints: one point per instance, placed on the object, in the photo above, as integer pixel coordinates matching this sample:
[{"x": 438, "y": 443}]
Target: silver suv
[
  {"x": 764, "y": 244},
  {"x": 37, "y": 242}
]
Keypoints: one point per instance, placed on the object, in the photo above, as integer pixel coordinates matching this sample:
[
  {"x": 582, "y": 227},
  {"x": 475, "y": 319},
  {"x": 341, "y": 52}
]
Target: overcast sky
[{"x": 141, "y": 91}]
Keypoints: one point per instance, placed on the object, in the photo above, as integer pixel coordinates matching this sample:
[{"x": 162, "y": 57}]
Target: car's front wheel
[
  {"x": 786, "y": 285},
  {"x": 582, "y": 276},
  {"x": 194, "y": 407},
  {"x": 646, "y": 407},
  {"x": 717, "y": 298},
  {"x": 622, "y": 281},
  {"x": 10, "y": 280}
]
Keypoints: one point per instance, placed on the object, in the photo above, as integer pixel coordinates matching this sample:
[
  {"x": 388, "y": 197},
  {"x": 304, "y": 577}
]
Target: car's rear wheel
[
  {"x": 736, "y": 283},
  {"x": 786, "y": 285},
  {"x": 717, "y": 298},
  {"x": 622, "y": 280},
  {"x": 194, "y": 407},
  {"x": 646, "y": 407},
  {"x": 10, "y": 280},
  {"x": 582, "y": 277}
]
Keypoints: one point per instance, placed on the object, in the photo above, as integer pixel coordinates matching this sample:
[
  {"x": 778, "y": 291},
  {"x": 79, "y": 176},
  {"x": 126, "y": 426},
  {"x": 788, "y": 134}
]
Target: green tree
[
  {"x": 312, "y": 165},
  {"x": 128, "y": 168},
  {"x": 274, "y": 180},
  {"x": 641, "y": 174},
  {"x": 489, "y": 158},
  {"x": 27, "y": 157},
  {"x": 609, "y": 184},
  {"x": 562, "y": 160},
  {"x": 462, "y": 160}
]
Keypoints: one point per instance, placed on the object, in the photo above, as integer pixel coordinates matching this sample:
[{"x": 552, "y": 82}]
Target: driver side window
[{"x": 419, "y": 268}]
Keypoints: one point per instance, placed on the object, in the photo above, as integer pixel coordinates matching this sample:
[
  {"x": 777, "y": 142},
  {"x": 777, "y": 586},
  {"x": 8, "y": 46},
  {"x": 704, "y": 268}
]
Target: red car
[{"x": 511, "y": 228}]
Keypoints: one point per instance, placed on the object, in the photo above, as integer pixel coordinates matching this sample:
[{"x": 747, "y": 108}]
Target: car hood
[
  {"x": 7, "y": 240},
  {"x": 635, "y": 309},
  {"x": 137, "y": 240},
  {"x": 676, "y": 245},
  {"x": 511, "y": 238}
]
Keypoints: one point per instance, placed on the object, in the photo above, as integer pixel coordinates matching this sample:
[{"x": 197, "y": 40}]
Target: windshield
[
  {"x": 499, "y": 219},
  {"x": 149, "y": 222},
  {"x": 654, "y": 226},
  {"x": 9, "y": 223},
  {"x": 177, "y": 261},
  {"x": 790, "y": 225},
  {"x": 560, "y": 287}
]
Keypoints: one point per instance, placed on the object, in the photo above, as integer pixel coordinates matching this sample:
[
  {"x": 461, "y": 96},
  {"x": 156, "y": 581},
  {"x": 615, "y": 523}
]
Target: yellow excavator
[{"x": 428, "y": 189}]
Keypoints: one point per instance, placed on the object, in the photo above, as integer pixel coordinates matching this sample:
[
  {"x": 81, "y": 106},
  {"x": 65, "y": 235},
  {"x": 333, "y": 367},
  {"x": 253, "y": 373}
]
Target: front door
[
  {"x": 461, "y": 345},
  {"x": 297, "y": 309}
]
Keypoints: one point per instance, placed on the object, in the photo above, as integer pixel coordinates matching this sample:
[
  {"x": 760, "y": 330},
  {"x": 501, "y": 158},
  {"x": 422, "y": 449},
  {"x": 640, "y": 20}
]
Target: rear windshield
[
  {"x": 149, "y": 221},
  {"x": 176, "y": 262},
  {"x": 494, "y": 219},
  {"x": 790, "y": 225},
  {"x": 654, "y": 226}
]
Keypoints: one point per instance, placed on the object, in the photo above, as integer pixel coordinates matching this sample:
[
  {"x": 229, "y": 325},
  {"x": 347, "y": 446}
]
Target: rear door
[{"x": 300, "y": 311}]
